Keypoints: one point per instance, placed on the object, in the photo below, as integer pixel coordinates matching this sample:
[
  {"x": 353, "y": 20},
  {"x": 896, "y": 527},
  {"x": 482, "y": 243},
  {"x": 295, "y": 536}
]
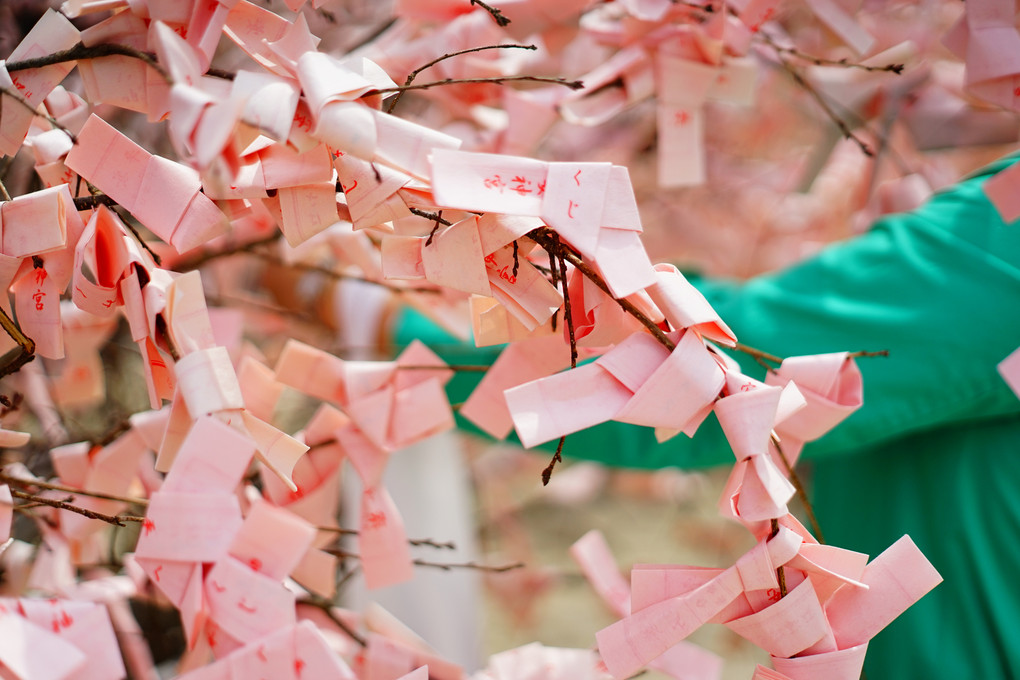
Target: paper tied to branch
[
  {"x": 521, "y": 362},
  {"x": 832, "y": 387},
  {"x": 293, "y": 652},
  {"x": 392, "y": 406},
  {"x": 110, "y": 469},
  {"x": 39, "y": 230},
  {"x": 758, "y": 488},
  {"x": 476, "y": 255},
  {"x": 58, "y": 639},
  {"x": 834, "y": 601},
  {"x": 639, "y": 381},
  {"x": 179, "y": 534},
  {"x": 165, "y": 196},
  {"x": 986, "y": 38},
  {"x": 590, "y": 205},
  {"x": 683, "y": 660},
  {"x": 52, "y": 33},
  {"x": 389, "y": 407}
]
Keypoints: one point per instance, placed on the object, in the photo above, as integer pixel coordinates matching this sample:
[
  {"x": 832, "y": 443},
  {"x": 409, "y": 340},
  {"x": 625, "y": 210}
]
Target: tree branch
[
  {"x": 414, "y": 74},
  {"x": 116, "y": 520},
  {"x": 497, "y": 14},
  {"x": 8, "y": 479},
  {"x": 80, "y": 51},
  {"x": 498, "y": 80}
]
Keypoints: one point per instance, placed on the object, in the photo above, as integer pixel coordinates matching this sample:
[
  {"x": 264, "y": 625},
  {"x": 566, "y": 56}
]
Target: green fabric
[{"x": 929, "y": 452}]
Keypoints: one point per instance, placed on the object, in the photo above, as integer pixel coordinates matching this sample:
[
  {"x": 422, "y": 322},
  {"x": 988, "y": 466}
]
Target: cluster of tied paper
[{"x": 266, "y": 150}]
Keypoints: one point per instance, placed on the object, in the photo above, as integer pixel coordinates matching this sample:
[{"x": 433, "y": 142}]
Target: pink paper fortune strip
[{"x": 165, "y": 196}]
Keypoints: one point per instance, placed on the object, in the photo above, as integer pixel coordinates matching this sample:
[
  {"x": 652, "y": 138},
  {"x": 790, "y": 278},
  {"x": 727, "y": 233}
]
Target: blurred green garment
[{"x": 930, "y": 454}]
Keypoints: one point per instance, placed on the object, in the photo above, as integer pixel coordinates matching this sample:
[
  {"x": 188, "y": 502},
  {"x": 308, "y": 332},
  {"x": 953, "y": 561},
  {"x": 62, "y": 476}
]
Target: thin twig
[
  {"x": 414, "y": 74},
  {"x": 80, "y": 51},
  {"x": 436, "y": 217},
  {"x": 780, "y": 571},
  {"x": 117, "y": 520},
  {"x": 557, "y": 458},
  {"x": 545, "y": 238},
  {"x": 798, "y": 485},
  {"x": 93, "y": 201},
  {"x": 865, "y": 353},
  {"x": 498, "y": 80},
  {"x": 435, "y": 228},
  {"x": 446, "y": 566},
  {"x": 145, "y": 246},
  {"x": 449, "y": 566},
  {"x": 497, "y": 14},
  {"x": 568, "y": 315},
  {"x": 427, "y": 542},
  {"x": 820, "y": 100},
  {"x": 759, "y": 355},
  {"x": 8, "y": 479},
  {"x": 12, "y": 361},
  {"x": 16, "y": 96},
  {"x": 327, "y": 608},
  {"x": 821, "y": 61}
]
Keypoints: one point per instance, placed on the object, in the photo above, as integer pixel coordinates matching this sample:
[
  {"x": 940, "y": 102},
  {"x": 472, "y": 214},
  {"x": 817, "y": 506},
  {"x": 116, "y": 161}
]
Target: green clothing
[{"x": 928, "y": 453}]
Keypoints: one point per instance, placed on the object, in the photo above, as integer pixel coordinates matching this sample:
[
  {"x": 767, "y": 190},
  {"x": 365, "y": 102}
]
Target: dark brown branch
[
  {"x": 546, "y": 238},
  {"x": 844, "y": 128},
  {"x": 436, "y": 217},
  {"x": 798, "y": 485},
  {"x": 557, "y": 458},
  {"x": 327, "y": 608},
  {"x": 821, "y": 61},
  {"x": 435, "y": 228},
  {"x": 780, "y": 571},
  {"x": 449, "y": 566},
  {"x": 498, "y": 80},
  {"x": 12, "y": 361},
  {"x": 568, "y": 315},
  {"x": 427, "y": 542},
  {"x": 117, "y": 520},
  {"x": 80, "y": 51},
  {"x": 414, "y": 74},
  {"x": 145, "y": 246},
  {"x": 497, "y": 14},
  {"x": 764, "y": 357},
  {"x": 446, "y": 566},
  {"x": 94, "y": 201},
  {"x": 49, "y": 119},
  {"x": 27, "y": 483}
]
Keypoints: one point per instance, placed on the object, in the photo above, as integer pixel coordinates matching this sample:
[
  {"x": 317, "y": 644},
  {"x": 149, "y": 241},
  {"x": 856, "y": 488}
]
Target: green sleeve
[{"x": 938, "y": 287}]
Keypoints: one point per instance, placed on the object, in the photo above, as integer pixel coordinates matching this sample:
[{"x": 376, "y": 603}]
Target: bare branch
[
  {"x": 27, "y": 483},
  {"x": 117, "y": 520},
  {"x": 497, "y": 14},
  {"x": 498, "y": 80},
  {"x": 80, "y": 51},
  {"x": 414, "y": 74}
]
